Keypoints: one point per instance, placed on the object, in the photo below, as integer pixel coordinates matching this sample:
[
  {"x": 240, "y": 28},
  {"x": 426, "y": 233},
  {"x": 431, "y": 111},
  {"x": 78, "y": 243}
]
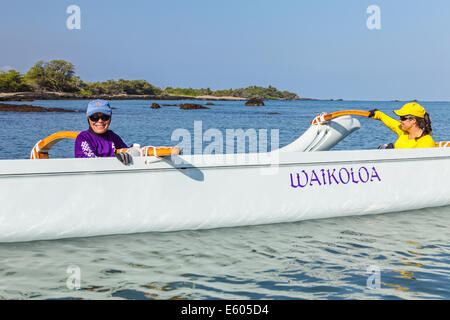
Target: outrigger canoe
[{"x": 163, "y": 190}]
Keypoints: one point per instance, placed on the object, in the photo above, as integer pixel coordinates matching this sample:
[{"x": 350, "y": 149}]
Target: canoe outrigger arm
[
  {"x": 42, "y": 147},
  {"x": 323, "y": 118}
]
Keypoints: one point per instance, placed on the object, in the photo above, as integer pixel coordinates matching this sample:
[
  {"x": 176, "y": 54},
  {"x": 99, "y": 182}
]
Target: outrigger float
[{"x": 163, "y": 190}]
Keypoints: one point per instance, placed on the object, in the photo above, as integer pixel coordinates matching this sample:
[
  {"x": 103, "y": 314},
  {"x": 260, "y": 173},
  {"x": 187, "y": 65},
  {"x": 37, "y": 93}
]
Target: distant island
[{"x": 56, "y": 80}]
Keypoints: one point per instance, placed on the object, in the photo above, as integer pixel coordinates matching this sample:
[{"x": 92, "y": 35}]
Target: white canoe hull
[{"x": 63, "y": 198}]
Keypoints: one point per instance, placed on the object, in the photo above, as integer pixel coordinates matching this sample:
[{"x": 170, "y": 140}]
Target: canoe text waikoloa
[{"x": 343, "y": 175}]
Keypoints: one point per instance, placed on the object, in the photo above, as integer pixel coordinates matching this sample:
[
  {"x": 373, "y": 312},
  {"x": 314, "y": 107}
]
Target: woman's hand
[
  {"x": 124, "y": 157},
  {"x": 372, "y": 113}
]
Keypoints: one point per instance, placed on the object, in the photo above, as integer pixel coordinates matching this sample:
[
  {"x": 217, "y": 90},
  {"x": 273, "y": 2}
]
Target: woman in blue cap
[{"x": 98, "y": 141}]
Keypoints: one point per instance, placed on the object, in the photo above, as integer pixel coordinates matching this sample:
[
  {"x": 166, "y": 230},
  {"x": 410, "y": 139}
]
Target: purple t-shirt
[{"x": 90, "y": 145}]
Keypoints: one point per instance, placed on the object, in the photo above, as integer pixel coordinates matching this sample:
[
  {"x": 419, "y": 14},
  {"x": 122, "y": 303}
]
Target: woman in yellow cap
[{"x": 413, "y": 129}]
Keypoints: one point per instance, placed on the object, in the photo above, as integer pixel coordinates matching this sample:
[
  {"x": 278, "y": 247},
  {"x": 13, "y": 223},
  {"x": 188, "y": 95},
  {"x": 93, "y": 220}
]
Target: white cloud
[{"x": 6, "y": 68}]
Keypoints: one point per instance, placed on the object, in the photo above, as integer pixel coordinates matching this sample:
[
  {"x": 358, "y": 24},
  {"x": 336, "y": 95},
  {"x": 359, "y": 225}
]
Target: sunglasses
[
  {"x": 404, "y": 118},
  {"x": 95, "y": 118}
]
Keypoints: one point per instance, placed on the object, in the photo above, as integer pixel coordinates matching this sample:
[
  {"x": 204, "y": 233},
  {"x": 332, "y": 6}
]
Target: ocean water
[{"x": 403, "y": 255}]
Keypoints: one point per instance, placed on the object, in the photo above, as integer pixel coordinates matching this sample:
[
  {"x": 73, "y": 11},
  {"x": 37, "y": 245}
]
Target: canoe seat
[{"x": 443, "y": 144}]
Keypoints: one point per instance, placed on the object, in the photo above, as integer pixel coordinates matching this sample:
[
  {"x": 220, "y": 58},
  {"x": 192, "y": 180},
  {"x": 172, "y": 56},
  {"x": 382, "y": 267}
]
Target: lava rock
[
  {"x": 254, "y": 102},
  {"x": 28, "y": 108},
  {"x": 191, "y": 106}
]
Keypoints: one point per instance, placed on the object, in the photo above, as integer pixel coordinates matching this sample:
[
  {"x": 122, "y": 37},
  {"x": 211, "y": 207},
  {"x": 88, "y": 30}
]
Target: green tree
[
  {"x": 12, "y": 81},
  {"x": 56, "y": 75}
]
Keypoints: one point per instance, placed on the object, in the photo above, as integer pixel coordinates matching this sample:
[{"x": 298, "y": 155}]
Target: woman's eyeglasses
[
  {"x": 404, "y": 118},
  {"x": 95, "y": 118}
]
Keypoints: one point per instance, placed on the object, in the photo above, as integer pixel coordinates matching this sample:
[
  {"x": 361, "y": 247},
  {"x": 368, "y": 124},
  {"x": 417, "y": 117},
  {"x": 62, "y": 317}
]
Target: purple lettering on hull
[
  {"x": 344, "y": 176},
  {"x": 298, "y": 180}
]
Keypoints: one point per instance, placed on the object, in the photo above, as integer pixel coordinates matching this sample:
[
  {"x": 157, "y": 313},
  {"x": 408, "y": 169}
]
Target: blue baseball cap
[{"x": 99, "y": 105}]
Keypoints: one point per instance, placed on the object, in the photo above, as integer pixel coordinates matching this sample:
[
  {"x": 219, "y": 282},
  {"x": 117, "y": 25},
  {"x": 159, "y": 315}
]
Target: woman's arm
[{"x": 389, "y": 122}]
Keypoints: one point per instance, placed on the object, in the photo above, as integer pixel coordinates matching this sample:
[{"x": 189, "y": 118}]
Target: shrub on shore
[
  {"x": 247, "y": 93},
  {"x": 121, "y": 86}
]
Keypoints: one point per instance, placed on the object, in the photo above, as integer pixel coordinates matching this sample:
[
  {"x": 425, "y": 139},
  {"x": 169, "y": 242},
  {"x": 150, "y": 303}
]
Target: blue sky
[{"x": 318, "y": 49}]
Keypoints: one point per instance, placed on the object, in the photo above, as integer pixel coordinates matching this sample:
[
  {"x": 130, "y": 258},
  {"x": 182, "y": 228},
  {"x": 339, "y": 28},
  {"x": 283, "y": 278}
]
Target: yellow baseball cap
[{"x": 411, "y": 108}]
